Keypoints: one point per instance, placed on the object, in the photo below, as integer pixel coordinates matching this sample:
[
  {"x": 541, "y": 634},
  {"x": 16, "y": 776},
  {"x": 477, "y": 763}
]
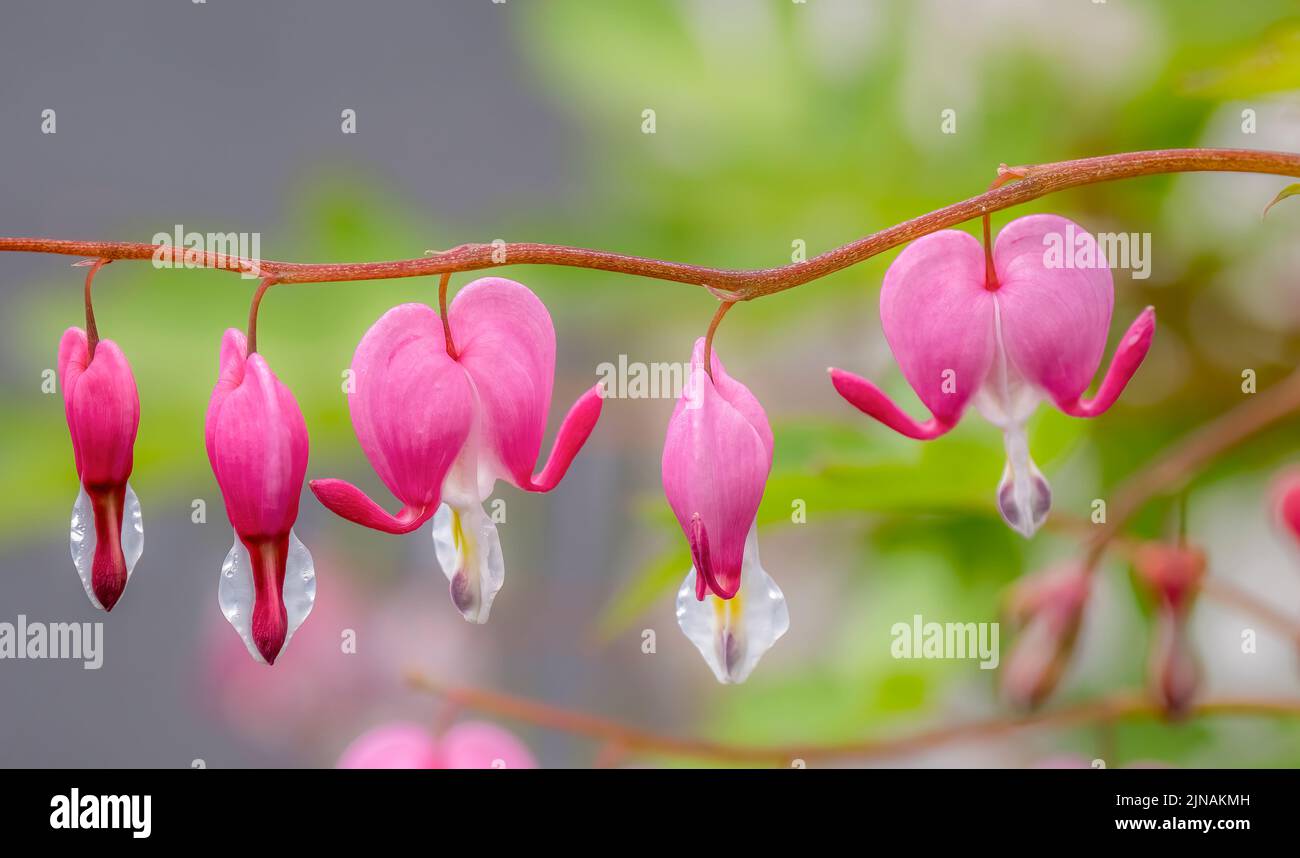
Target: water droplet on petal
[{"x": 82, "y": 538}]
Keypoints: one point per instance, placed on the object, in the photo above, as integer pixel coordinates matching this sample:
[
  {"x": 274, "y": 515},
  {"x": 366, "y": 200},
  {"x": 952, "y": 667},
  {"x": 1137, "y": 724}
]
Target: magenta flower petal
[
  {"x": 506, "y": 342},
  {"x": 1054, "y": 320},
  {"x": 872, "y": 401},
  {"x": 257, "y": 444},
  {"x": 412, "y": 408},
  {"x": 102, "y": 408},
  {"x": 716, "y": 459},
  {"x": 1129, "y": 355},
  {"x": 939, "y": 320}
]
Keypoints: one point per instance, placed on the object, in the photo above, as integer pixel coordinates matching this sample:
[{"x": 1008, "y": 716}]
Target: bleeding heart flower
[
  {"x": 717, "y": 455},
  {"x": 103, "y": 412},
  {"x": 469, "y": 745},
  {"x": 441, "y": 430},
  {"x": 1038, "y": 332},
  {"x": 257, "y": 444}
]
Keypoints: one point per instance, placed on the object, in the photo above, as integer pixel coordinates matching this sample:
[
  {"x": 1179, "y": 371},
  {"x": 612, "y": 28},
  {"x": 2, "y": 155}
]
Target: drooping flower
[
  {"x": 440, "y": 430},
  {"x": 257, "y": 444},
  {"x": 717, "y": 456},
  {"x": 468, "y": 745},
  {"x": 103, "y": 413},
  {"x": 1037, "y": 333},
  {"x": 1047, "y": 609},
  {"x": 1172, "y": 574}
]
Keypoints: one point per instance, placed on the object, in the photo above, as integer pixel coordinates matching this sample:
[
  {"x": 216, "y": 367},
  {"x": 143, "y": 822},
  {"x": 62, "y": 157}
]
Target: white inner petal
[
  {"x": 235, "y": 591},
  {"x": 82, "y": 538},
  {"x": 1007, "y": 401},
  {"x": 468, "y": 547},
  {"x": 733, "y": 634}
]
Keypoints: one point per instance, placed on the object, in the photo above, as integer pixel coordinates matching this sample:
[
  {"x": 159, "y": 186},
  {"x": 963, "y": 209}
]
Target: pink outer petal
[
  {"x": 717, "y": 456},
  {"x": 872, "y": 401},
  {"x": 400, "y": 745},
  {"x": 1054, "y": 320},
  {"x": 938, "y": 319},
  {"x": 1130, "y": 352},
  {"x": 506, "y": 342},
  {"x": 257, "y": 443},
  {"x": 102, "y": 408},
  {"x": 573, "y": 433},
  {"x": 412, "y": 408},
  {"x": 480, "y": 745}
]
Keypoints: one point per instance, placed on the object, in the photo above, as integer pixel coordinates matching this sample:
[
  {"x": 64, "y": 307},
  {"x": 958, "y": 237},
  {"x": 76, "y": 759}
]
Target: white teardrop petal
[
  {"x": 235, "y": 591},
  {"x": 468, "y": 548},
  {"x": 299, "y": 591},
  {"x": 82, "y": 538},
  {"x": 1024, "y": 497},
  {"x": 733, "y": 634},
  {"x": 235, "y": 595}
]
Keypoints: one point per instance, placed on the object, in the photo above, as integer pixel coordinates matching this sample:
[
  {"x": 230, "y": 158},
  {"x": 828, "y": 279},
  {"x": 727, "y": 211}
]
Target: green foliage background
[{"x": 765, "y": 134}]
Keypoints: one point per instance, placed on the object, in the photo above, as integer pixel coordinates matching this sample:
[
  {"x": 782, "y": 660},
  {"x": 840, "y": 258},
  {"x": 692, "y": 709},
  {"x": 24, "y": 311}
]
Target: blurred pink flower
[
  {"x": 468, "y": 745},
  {"x": 1047, "y": 609}
]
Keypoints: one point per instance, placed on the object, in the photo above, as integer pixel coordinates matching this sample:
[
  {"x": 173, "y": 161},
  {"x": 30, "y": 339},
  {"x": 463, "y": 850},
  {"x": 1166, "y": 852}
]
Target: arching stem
[
  {"x": 708, "y": 338},
  {"x": 442, "y": 310},
  {"x": 92, "y": 332},
  {"x": 267, "y": 283}
]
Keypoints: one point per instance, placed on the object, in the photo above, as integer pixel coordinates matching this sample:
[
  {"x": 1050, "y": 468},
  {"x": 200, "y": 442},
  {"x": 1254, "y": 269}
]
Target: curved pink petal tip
[
  {"x": 1129, "y": 354},
  {"x": 344, "y": 499},
  {"x": 574, "y": 431},
  {"x": 871, "y": 400}
]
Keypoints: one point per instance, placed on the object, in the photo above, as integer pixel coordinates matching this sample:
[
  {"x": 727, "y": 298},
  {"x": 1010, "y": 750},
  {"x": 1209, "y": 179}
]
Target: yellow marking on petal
[
  {"x": 457, "y": 533},
  {"x": 727, "y": 611}
]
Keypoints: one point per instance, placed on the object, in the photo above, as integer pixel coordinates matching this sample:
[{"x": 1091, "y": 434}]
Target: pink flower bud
[
  {"x": 257, "y": 444},
  {"x": 1047, "y": 607},
  {"x": 717, "y": 455},
  {"x": 103, "y": 413},
  {"x": 1172, "y": 574}
]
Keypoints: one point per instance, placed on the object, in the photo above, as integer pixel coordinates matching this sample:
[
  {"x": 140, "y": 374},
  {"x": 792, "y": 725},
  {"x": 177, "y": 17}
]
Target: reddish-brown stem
[
  {"x": 990, "y": 274},
  {"x": 708, "y": 337},
  {"x": 446, "y": 322},
  {"x": 267, "y": 283},
  {"x": 730, "y": 284},
  {"x": 636, "y": 740},
  {"x": 92, "y": 331},
  {"x": 1172, "y": 470}
]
